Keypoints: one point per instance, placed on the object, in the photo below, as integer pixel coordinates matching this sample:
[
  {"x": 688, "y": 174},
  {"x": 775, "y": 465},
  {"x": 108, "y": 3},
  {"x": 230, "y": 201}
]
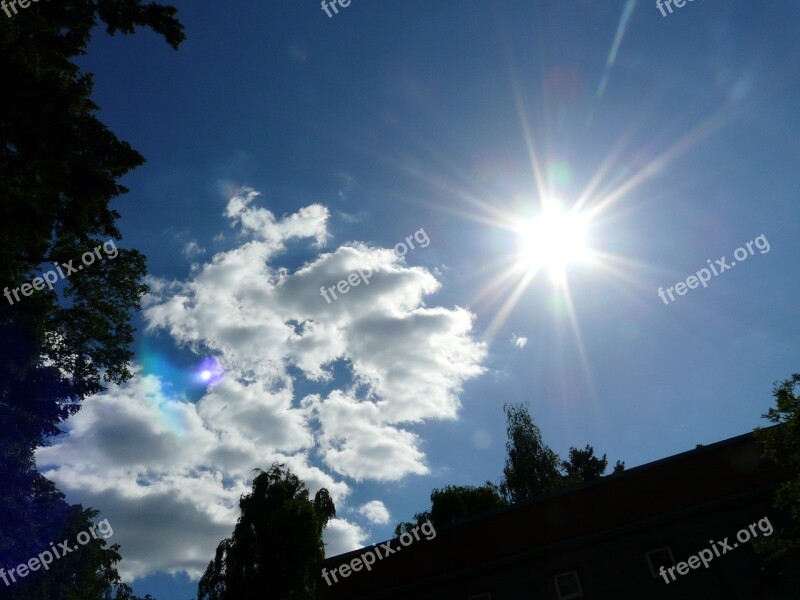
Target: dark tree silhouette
[
  {"x": 531, "y": 466},
  {"x": 781, "y": 444},
  {"x": 532, "y": 470},
  {"x": 59, "y": 170},
  {"x": 276, "y": 546},
  {"x": 454, "y": 502},
  {"x": 584, "y": 466}
]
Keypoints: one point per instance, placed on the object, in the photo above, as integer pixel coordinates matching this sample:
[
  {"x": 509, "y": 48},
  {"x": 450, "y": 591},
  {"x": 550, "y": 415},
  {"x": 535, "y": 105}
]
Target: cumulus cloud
[
  {"x": 166, "y": 481},
  {"x": 342, "y": 536},
  {"x": 261, "y": 224},
  {"x": 376, "y": 512},
  {"x": 168, "y": 472}
]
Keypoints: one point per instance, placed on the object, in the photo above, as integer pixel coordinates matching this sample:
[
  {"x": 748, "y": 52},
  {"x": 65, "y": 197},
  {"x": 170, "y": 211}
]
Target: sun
[{"x": 552, "y": 241}]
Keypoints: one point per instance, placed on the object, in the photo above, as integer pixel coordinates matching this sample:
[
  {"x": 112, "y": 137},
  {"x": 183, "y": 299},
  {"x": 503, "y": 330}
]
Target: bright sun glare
[{"x": 552, "y": 241}]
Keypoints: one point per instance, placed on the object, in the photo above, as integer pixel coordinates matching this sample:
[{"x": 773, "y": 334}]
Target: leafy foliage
[
  {"x": 781, "y": 444},
  {"x": 584, "y": 466},
  {"x": 59, "y": 170},
  {"x": 532, "y": 468},
  {"x": 276, "y": 544},
  {"x": 86, "y": 573},
  {"x": 454, "y": 502}
]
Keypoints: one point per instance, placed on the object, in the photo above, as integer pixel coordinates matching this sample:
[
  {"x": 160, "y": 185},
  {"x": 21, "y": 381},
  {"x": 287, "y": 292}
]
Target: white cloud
[
  {"x": 519, "y": 342},
  {"x": 342, "y": 536},
  {"x": 262, "y": 224},
  {"x": 169, "y": 485},
  {"x": 351, "y": 218},
  {"x": 193, "y": 250},
  {"x": 187, "y": 463},
  {"x": 376, "y": 512}
]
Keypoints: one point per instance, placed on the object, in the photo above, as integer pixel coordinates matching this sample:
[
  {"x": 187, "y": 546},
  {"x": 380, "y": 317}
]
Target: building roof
[{"x": 721, "y": 472}]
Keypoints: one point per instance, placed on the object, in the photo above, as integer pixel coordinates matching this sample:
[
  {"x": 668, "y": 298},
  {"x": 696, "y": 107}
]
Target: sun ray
[
  {"x": 691, "y": 139},
  {"x": 502, "y": 314}
]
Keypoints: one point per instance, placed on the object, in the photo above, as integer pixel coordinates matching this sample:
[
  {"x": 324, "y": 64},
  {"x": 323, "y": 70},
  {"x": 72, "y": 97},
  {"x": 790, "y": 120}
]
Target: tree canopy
[
  {"x": 532, "y": 468},
  {"x": 60, "y": 168},
  {"x": 584, "y": 466},
  {"x": 276, "y": 545},
  {"x": 781, "y": 444},
  {"x": 454, "y": 502}
]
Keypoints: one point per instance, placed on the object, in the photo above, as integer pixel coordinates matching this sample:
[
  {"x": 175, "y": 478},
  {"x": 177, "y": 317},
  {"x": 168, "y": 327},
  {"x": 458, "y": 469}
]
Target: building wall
[
  {"x": 601, "y": 530},
  {"x": 613, "y": 565}
]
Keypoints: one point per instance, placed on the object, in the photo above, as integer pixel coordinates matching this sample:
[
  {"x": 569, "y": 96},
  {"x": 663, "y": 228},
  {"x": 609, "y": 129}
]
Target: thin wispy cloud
[
  {"x": 519, "y": 342},
  {"x": 193, "y": 250}
]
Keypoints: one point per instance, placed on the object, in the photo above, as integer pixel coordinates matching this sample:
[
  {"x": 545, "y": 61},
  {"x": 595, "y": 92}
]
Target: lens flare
[{"x": 209, "y": 372}]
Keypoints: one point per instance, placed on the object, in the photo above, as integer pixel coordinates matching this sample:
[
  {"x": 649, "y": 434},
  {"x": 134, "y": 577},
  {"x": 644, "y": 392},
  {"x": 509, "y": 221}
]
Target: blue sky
[{"x": 286, "y": 149}]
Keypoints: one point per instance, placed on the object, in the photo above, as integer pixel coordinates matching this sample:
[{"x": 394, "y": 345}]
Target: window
[
  {"x": 568, "y": 586},
  {"x": 660, "y": 557}
]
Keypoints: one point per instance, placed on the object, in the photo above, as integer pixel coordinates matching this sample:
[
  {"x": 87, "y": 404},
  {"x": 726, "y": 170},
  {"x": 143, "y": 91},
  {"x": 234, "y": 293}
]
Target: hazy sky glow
[{"x": 286, "y": 150}]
